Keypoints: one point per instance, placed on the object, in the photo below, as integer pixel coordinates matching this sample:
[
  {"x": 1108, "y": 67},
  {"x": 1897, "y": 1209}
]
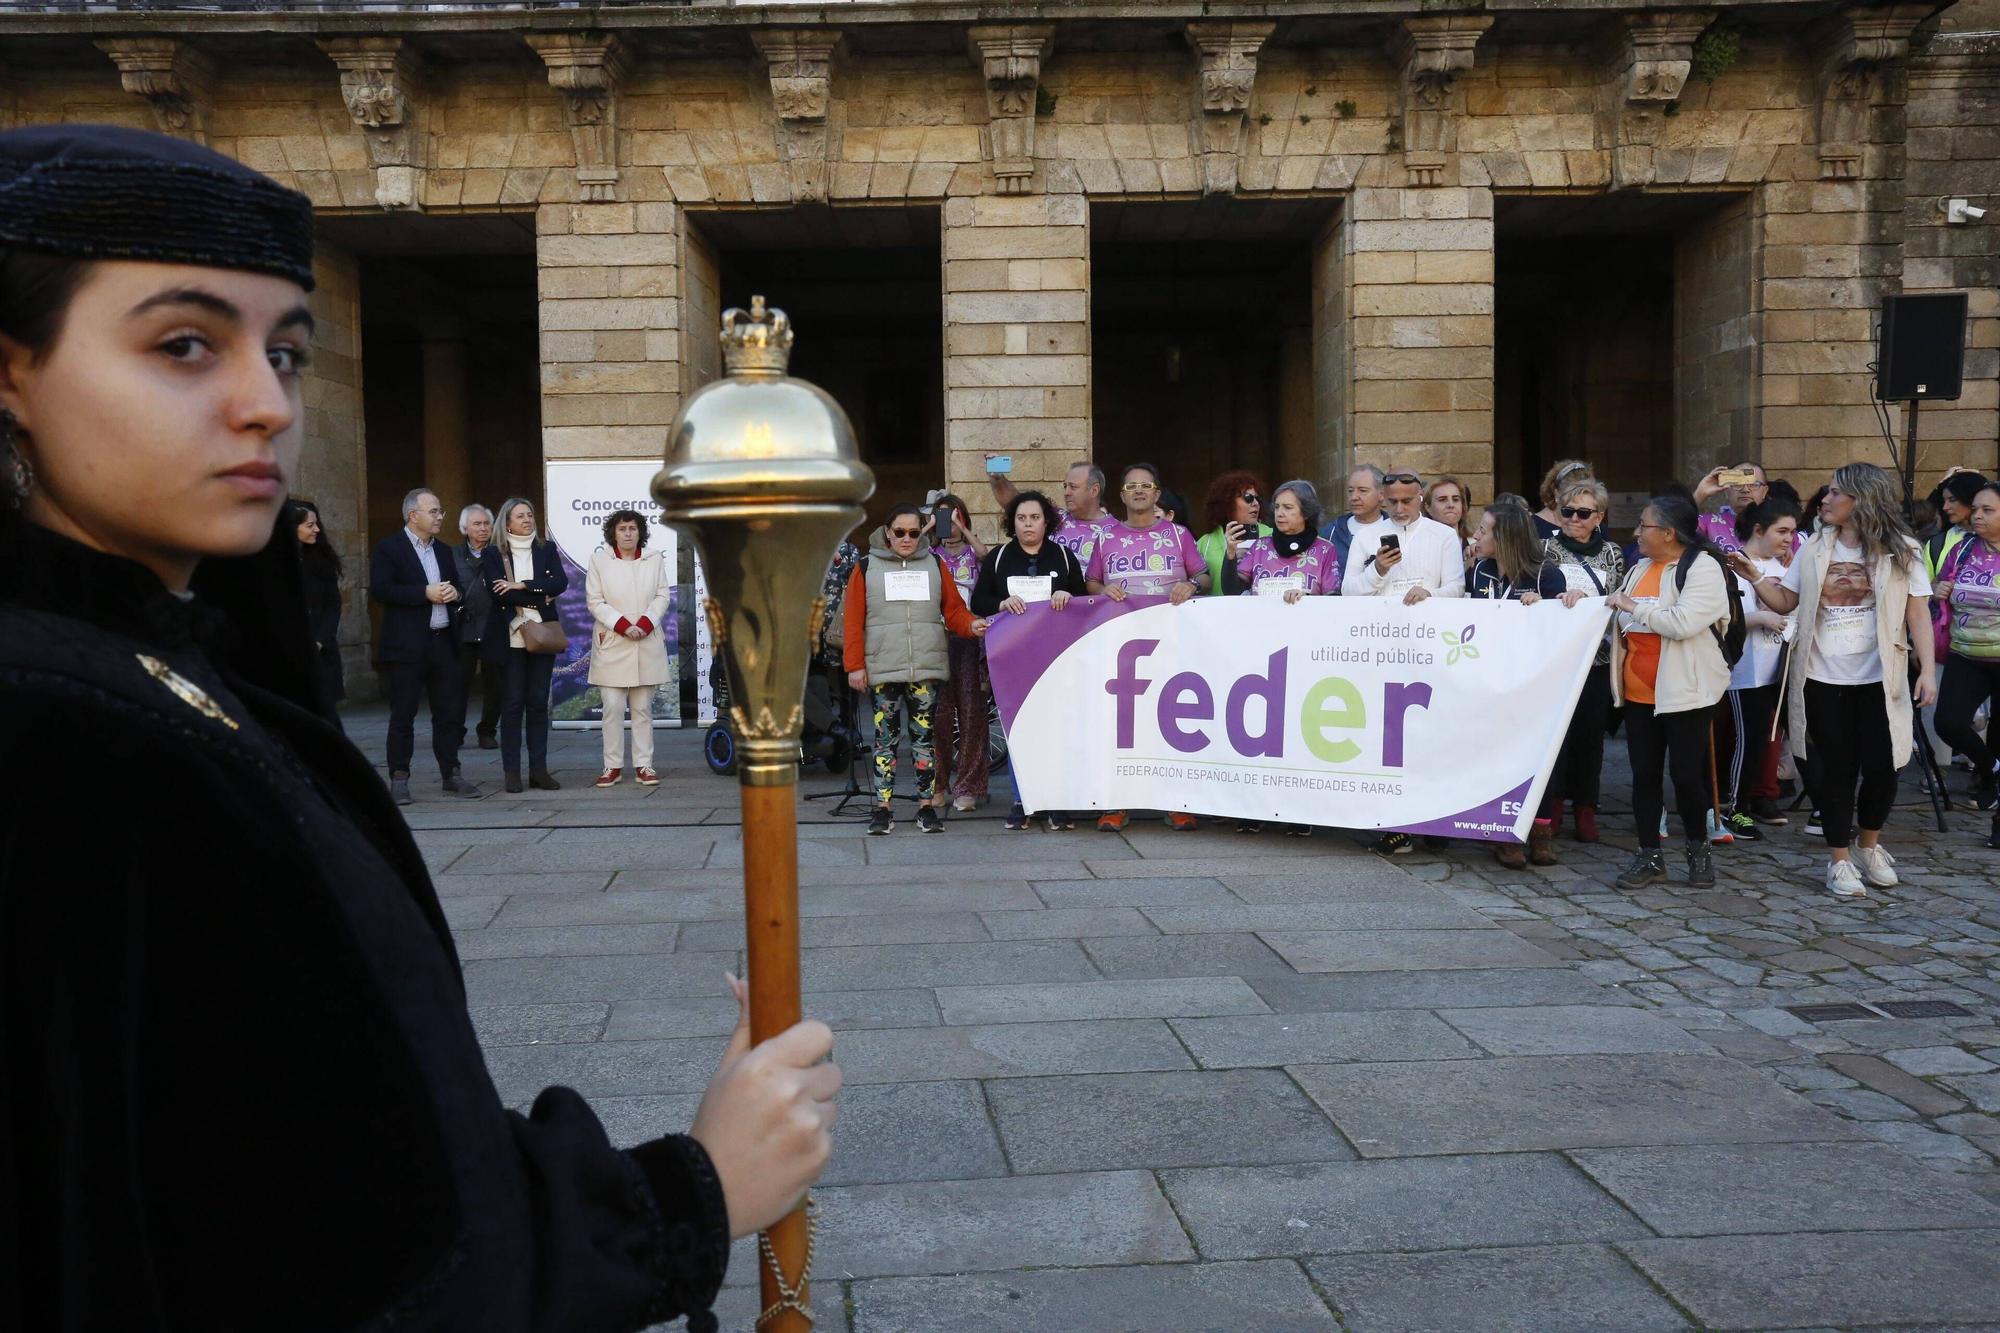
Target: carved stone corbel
[
  {"x": 1010, "y": 56},
  {"x": 1227, "y": 54},
  {"x": 1857, "y": 49},
  {"x": 379, "y": 84},
  {"x": 801, "y": 65},
  {"x": 586, "y": 68},
  {"x": 1434, "y": 50},
  {"x": 1649, "y": 66},
  {"x": 171, "y": 75}
]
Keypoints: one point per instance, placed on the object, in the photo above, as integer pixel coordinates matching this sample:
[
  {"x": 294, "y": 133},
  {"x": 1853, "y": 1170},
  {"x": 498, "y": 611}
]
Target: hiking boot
[
  {"x": 1513, "y": 855},
  {"x": 1700, "y": 864},
  {"x": 1876, "y": 866},
  {"x": 1742, "y": 827},
  {"x": 1542, "y": 843},
  {"x": 1112, "y": 821},
  {"x": 1844, "y": 881},
  {"x": 1586, "y": 823},
  {"x": 1765, "y": 811},
  {"x": 1649, "y": 866},
  {"x": 1393, "y": 844},
  {"x": 881, "y": 823},
  {"x": 1017, "y": 818},
  {"x": 542, "y": 780},
  {"x": 928, "y": 819}
]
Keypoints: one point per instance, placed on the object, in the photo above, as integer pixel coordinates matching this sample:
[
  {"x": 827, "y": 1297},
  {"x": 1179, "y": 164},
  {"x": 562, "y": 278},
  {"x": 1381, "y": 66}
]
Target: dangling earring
[{"x": 17, "y": 475}]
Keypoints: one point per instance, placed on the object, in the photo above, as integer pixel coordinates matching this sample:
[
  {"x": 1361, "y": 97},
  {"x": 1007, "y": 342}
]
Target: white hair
[{"x": 465, "y": 515}]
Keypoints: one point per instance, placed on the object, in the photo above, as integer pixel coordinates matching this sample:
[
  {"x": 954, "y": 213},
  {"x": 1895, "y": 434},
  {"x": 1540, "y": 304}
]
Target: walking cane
[{"x": 763, "y": 474}]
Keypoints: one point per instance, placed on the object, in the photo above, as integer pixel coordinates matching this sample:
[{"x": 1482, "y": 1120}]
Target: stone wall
[
  {"x": 1716, "y": 336},
  {"x": 333, "y": 468}
]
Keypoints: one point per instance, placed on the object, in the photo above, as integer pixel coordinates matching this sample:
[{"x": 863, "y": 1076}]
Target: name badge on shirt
[
  {"x": 1278, "y": 587},
  {"x": 907, "y": 585},
  {"x": 1627, "y": 620},
  {"x": 1031, "y": 588}
]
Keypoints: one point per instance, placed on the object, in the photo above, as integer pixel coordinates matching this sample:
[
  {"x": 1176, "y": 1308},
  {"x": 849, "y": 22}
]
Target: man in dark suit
[{"x": 417, "y": 581}]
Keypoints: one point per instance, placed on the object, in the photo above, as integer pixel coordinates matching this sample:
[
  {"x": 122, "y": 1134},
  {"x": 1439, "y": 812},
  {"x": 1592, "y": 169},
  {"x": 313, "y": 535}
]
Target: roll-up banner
[
  {"x": 1353, "y": 712},
  {"x": 582, "y": 493}
]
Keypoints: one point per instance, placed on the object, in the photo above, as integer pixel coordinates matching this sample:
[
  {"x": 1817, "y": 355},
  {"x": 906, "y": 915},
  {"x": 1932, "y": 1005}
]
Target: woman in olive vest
[{"x": 901, "y": 604}]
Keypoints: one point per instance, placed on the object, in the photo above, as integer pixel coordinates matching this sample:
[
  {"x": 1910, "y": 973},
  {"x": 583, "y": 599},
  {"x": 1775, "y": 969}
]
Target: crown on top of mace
[{"x": 757, "y": 340}]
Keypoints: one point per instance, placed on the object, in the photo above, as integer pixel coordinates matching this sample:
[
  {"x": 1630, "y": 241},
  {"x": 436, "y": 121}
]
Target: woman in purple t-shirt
[
  {"x": 1969, "y": 583},
  {"x": 1294, "y": 561}
]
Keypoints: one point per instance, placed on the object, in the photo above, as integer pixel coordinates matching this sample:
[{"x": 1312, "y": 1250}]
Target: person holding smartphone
[{"x": 1234, "y": 508}]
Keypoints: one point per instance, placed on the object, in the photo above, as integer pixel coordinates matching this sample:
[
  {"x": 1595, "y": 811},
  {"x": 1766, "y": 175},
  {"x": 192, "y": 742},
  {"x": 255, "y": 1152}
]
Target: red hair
[{"x": 1220, "y": 506}]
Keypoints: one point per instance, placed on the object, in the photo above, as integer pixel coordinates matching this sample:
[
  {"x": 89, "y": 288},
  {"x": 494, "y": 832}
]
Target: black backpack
[{"x": 1731, "y": 641}]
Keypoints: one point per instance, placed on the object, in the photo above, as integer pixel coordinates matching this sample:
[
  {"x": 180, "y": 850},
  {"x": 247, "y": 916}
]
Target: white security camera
[{"x": 1959, "y": 212}]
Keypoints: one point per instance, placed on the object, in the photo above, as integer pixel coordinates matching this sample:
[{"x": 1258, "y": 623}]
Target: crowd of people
[{"x": 1757, "y": 639}]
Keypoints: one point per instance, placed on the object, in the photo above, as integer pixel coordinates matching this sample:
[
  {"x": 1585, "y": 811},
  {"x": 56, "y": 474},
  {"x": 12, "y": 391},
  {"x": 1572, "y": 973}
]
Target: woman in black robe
[
  {"x": 319, "y": 566},
  {"x": 238, "y": 1085}
]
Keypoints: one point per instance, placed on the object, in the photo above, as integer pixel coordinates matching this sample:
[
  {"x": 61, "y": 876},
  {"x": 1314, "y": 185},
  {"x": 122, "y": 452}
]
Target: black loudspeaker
[{"x": 1923, "y": 347}]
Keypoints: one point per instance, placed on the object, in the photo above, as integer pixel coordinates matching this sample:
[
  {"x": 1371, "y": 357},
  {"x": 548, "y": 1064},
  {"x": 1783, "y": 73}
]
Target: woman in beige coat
[{"x": 627, "y": 591}]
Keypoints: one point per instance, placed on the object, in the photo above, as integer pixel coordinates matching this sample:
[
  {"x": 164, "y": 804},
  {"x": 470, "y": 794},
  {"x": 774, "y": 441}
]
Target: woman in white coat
[{"x": 627, "y": 591}]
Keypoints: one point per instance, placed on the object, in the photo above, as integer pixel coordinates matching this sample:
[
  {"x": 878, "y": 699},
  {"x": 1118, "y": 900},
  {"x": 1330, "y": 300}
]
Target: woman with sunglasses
[
  {"x": 1547, "y": 523},
  {"x": 1590, "y": 566},
  {"x": 1862, "y": 596},
  {"x": 1151, "y": 555},
  {"x": 240, "y": 1085},
  {"x": 1234, "y": 509}
]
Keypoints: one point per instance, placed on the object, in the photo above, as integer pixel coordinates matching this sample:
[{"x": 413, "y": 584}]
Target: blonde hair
[
  {"x": 1875, "y": 522},
  {"x": 1589, "y": 486},
  {"x": 507, "y": 509},
  {"x": 1464, "y": 501}
]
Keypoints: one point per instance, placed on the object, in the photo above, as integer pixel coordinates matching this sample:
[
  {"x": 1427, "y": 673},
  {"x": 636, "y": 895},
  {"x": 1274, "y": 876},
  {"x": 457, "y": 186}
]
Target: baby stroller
[{"x": 825, "y": 737}]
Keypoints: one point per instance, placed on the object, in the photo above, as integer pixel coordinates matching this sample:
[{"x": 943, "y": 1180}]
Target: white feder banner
[
  {"x": 1354, "y": 712},
  {"x": 582, "y": 493}
]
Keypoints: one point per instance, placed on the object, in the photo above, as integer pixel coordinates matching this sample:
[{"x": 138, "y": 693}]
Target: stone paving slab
[
  {"x": 715, "y": 1016},
  {"x": 984, "y": 1226},
  {"x": 1104, "y": 1122},
  {"x": 1572, "y": 1030},
  {"x": 1777, "y": 1187},
  {"x": 616, "y": 977},
  {"x": 1260, "y": 917},
  {"x": 971, "y": 849},
  {"x": 1298, "y": 1039},
  {"x": 879, "y": 1140},
  {"x": 1051, "y": 923},
  {"x": 1271, "y": 1296},
  {"x": 1176, "y": 998},
  {"x": 471, "y": 912},
  {"x": 1530, "y": 1289},
  {"x": 524, "y": 1024},
  {"x": 1525, "y": 1104},
  {"x": 989, "y": 963},
  {"x": 1434, "y": 1203},
  {"x": 517, "y": 886},
  {"x": 1151, "y": 891},
  {"x": 566, "y": 850},
  {"x": 1402, "y": 950},
  {"x": 604, "y": 1069},
  {"x": 1133, "y": 957},
  {"x": 849, "y": 931},
  {"x": 578, "y": 941},
  {"x": 1335, "y": 879},
  {"x": 1466, "y": 988},
  {"x": 1848, "y": 1278},
  {"x": 1110, "y": 1046}
]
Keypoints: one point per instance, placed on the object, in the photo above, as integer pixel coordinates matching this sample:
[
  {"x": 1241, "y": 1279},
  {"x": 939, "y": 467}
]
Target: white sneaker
[
  {"x": 963, "y": 804},
  {"x": 1844, "y": 881},
  {"x": 1877, "y": 866}
]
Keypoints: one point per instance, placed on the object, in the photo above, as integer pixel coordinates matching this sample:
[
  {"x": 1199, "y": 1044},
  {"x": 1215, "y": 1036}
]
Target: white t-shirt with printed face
[{"x": 1845, "y": 644}]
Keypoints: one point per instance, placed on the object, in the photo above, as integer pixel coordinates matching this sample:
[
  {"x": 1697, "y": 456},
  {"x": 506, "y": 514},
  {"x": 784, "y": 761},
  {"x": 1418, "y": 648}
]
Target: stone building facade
[{"x": 1466, "y": 238}]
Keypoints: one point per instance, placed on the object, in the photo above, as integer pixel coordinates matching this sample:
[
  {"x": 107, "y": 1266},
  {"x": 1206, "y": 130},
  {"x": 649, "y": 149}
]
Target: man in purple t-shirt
[{"x": 1084, "y": 518}]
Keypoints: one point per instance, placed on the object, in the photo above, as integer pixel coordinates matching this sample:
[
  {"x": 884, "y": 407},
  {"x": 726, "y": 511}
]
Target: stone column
[
  {"x": 1017, "y": 339},
  {"x": 333, "y": 466},
  {"x": 609, "y": 285},
  {"x": 447, "y": 450},
  {"x": 1832, "y": 246}
]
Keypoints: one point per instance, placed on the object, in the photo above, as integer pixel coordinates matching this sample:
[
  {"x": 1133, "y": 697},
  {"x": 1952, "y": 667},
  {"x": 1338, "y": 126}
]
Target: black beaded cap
[{"x": 107, "y": 192}]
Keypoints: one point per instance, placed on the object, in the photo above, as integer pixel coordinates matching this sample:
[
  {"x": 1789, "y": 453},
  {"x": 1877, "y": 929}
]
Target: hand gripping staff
[{"x": 763, "y": 474}]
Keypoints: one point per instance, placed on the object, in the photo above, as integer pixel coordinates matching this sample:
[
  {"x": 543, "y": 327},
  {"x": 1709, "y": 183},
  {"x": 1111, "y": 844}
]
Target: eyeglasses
[
  {"x": 1402, "y": 479},
  {"x": 906, "y": 532},
  {"x": 1656, "y": 527},
  {"x": 1251, "y": 496},
  {"x": 1140, "y": 486},
  {"x": 1567, "y": 512}
]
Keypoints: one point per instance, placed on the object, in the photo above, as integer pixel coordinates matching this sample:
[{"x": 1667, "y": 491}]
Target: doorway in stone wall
[
  {"x": 1622, "y": 336},
  {"x": 1201, "y": 338},
  {"x": 864, "y": 290}
]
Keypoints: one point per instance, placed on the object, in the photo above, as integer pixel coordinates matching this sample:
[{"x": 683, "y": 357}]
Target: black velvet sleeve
[{"x": 986, "y": 592}]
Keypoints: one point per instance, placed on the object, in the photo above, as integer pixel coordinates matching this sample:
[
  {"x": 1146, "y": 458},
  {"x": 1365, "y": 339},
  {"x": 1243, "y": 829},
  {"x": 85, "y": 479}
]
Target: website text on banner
[{"x": 1353, "y": 712}]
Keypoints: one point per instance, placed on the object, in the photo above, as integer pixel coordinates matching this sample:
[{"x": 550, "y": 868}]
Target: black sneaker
[
  {"x": 1648, "y": 867},
  {"x": 881, "y": 823},
  {"x": 1814, "y": 828},
  {"x": 1701, "y": 865},
  {"x": 1742, "y": 827},
  {"x": 1986, "y": 793},
  {"x": 928, "y": 820},
  {"x": 1017, "y": 818},
  {"x": 1393, "y": 844},
  {"x": 1765, "y": 811}
]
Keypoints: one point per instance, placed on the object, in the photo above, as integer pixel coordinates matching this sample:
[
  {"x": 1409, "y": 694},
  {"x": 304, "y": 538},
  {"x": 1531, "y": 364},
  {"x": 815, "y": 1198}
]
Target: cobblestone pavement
[{"x": 1192, "y": 1081}]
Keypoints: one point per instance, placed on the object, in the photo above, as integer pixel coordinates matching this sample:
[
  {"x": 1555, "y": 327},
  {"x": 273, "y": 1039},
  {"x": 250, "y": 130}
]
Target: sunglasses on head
[
  {"x": 906, "y": 532},
  {"x": 1402, "y": 479},
  {"x": 1567, "y": 512}
]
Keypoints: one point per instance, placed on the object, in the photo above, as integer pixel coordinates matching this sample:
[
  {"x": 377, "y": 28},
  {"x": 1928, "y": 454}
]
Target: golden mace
[{"x": 763, "y": 474}]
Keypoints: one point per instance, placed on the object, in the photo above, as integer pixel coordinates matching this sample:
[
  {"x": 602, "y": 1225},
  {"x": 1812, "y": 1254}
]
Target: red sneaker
[
  {"x": 1181, "y": 821},
  {"x": 609, "y": 777},
  {"x": 648, "y": 778},
  {"x": 1111, "y": 821}
]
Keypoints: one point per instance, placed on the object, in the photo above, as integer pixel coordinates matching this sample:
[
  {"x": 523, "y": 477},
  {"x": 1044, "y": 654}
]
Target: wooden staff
[{"x": 763, "y": 473}]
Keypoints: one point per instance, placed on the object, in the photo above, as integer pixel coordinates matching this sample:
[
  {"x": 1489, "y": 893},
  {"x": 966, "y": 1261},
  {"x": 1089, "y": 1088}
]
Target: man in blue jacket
[{"x": 417, "y": 581}]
